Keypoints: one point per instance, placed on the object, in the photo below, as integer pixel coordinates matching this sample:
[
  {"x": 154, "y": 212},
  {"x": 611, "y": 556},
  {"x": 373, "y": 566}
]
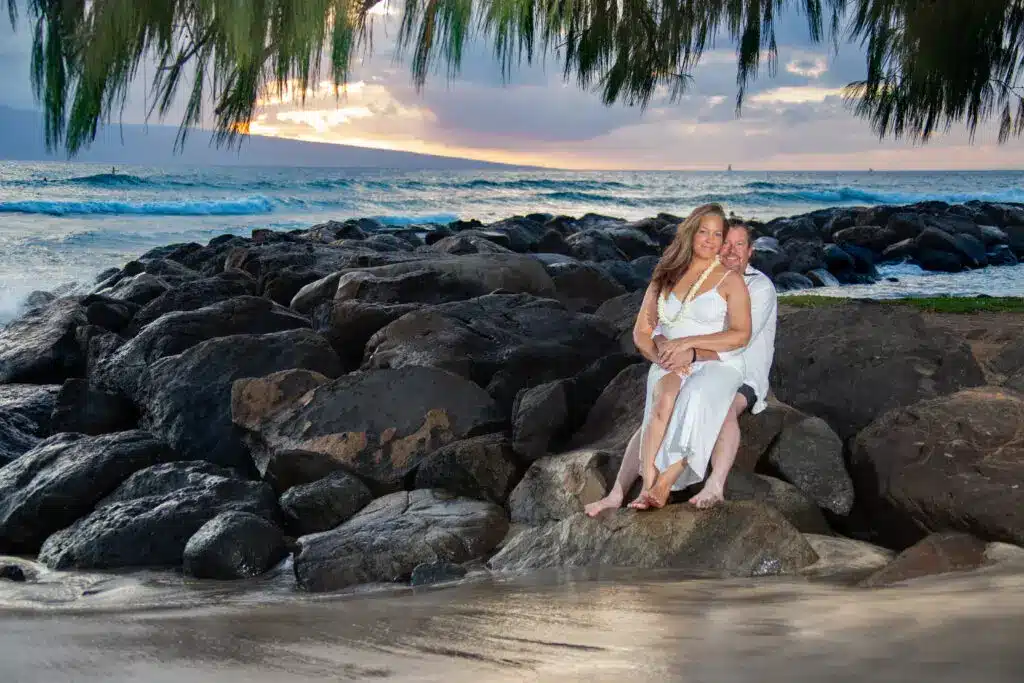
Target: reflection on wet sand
[{"x": 542, "y": 627}]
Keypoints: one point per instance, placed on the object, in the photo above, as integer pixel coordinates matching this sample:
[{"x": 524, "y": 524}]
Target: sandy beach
[{"x": 547, "y": 627}]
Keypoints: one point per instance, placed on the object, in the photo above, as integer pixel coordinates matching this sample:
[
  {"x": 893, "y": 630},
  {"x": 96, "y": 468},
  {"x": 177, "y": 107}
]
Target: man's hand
[{"x": 675, "y": 353}]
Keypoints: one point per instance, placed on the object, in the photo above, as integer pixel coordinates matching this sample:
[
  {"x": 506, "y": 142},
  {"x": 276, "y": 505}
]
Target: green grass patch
[{"x": 932, "y": 304}]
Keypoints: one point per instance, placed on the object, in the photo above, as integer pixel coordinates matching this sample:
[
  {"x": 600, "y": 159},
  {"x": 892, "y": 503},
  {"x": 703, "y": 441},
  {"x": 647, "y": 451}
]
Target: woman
[{"x": 693, "y": 302}]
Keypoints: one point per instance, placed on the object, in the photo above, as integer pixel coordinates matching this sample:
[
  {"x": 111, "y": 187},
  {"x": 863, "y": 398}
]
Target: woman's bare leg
[
  {"x": 629, "y": 470},
  {"x": 665, "y": 394},
  {"x": 662, "y": 489}
]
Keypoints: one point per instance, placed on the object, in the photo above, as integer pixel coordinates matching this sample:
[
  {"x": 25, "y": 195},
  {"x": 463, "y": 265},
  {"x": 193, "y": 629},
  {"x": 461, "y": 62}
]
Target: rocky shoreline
[{"x": 395, "y": 404}]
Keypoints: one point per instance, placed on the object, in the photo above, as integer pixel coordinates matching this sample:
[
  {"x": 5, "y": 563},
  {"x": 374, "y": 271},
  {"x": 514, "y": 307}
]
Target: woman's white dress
[{"x": 705, "y": 395}]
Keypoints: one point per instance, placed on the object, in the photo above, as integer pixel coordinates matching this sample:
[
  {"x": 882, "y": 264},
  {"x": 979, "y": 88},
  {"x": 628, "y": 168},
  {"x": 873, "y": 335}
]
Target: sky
[{"x": 795, "y": 120}]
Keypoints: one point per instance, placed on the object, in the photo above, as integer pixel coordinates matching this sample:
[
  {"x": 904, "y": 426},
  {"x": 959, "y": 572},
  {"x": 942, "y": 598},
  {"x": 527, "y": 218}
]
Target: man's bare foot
[
  {"x": 609, "y": 502},
  {"x": 711, "y": 495}
]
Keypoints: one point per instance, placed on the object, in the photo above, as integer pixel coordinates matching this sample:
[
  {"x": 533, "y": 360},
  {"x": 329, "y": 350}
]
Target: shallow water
[
  {"x": 907, "y": 280},
  {"x": 546, "y": 626}
]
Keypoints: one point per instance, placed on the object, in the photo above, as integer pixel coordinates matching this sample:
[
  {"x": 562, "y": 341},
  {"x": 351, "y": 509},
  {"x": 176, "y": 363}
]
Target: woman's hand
[{"x": 675, "y": 355}]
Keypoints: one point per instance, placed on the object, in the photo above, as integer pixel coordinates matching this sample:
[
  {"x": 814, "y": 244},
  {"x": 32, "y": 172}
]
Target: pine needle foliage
[{"x": 930, "y": 64}]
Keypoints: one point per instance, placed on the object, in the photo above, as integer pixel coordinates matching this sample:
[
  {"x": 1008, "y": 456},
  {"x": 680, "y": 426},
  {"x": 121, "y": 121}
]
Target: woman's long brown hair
[{"x": 678, "y": 255}]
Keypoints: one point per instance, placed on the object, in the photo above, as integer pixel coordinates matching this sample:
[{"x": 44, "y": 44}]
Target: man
[{"x": 757, "y": 355}]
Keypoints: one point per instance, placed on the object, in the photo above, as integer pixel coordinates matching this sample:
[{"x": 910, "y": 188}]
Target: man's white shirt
[{"x": 758, "y": 353}]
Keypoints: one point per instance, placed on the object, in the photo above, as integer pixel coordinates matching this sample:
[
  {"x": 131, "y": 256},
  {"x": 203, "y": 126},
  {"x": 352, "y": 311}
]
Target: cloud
[
  {"x": 808, "y": 66},
  {"x": 794, "y": 95}
]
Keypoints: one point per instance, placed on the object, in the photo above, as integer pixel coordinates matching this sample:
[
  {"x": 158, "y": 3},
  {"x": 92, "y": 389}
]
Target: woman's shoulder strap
[{"x": 722, "y": 279}]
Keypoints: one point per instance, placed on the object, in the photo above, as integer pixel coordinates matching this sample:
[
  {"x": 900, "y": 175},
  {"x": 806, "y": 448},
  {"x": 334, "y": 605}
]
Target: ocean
[{"x": 63, "y": 223}]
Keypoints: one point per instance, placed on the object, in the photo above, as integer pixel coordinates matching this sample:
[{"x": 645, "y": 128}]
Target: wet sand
[{"x": 544, "y": 627}]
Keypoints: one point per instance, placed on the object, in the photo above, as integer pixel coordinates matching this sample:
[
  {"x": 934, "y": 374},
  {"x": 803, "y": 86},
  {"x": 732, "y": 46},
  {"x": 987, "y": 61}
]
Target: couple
[{"x": 707, "y": 324}]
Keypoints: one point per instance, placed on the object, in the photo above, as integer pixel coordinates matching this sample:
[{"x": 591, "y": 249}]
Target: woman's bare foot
[
  {"x": 649, "y": 477},
  {"x": 610, "y": 502},
  {"x": 657, "y": 497},
  {"x": 641, "y": 502},
  {"x": 711, "y": 495}
]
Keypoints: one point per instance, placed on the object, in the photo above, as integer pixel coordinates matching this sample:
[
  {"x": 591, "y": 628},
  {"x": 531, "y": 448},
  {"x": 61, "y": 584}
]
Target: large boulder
[
  {"x": 804, "y": 255},
  {"x": 1008, "y": 361},
  {"x": 906, "y": 225},
  {"x": 734, "y": 539},
  {"x": 594, "y": 245},
  {"x": 395, "y": 534},
  {"x": 24, "y": 417},
  {"x": 540, "y": 416},
  {"x": 809, "y": 455},
  {"x": 870, "y": 237},
  {"x": 502, "y": 342},
  {"x": 349, "y": 325},
  {"x": 34, "y": 402},
  {"x": 137, "y": 290},
  {"x": 233, "y": 545},
  {"x": 850, "y": 363},
  {"x": 620, "y": 313},
  {"x": 1002, "y": 255},
  {"x": 953, "y": 463},
  {"x": 482, "y": 468},
  {"x": 616, "y": 414},
  {"x": 940, "y": 261},
  {"x": 522, "y": 233},
  {"x": 83, "y": 408},
  {"x": 632, "y": 275},
  {"x": 760, "y": 431},
  {"x": 195, "y": 294},
  {"x": 177, "y": 332},
  {"x": 507, "y": 272},
  {"x": 559, "y": 486},
  {"x": 790, "y": 282},
  {"x": 935, "y": 239},
  {"x": 799, "y": 509},
  {"x": 632, "y": 242},
  {"x": 136, "y": 277},
  {"x": 972, "y": 251},
  {"x": 380, "y": 424},
  {"x": 41, "y": 347},
  {"x": 108, "y": 314},
  {"x": 325, "y": 503},
  {"x": 797, "y": 227},
  {"x": 936, "y": 554},
  {"x": 768, "y": 256},
  {"x": 583, "y": 286},
  {"x": 186, "y": 399},
  {"x": 842, "y": 559},
  {"x": 545, "y": 416},
  {"x": 417, "y": 286},
  {"x": 264, "y": 261},
  {"x": 150, "y": 519},
  {"x": 62, "y": 478},
  {"x": 1015, "y": 238},
  {"x": 472, "y": 242},
  {"x": 16, "y": 437}
]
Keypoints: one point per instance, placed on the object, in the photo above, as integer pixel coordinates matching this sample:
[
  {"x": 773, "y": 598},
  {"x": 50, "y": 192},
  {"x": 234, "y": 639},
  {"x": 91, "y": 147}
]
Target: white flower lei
[{"x": 690, "y": 296}]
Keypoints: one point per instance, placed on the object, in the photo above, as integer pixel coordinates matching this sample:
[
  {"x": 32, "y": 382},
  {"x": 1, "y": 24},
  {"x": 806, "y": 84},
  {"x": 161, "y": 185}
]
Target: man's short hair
[{"x": 736, "y": 223}]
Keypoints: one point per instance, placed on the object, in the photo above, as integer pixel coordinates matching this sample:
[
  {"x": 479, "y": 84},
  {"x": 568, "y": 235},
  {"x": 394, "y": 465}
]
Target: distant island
[{"x": 154, "y": 145}]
